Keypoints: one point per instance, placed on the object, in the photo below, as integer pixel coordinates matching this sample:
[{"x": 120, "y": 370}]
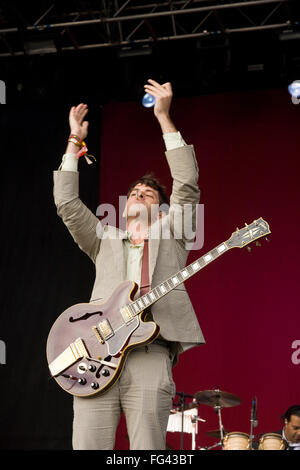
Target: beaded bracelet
[
  {"x": 83, "y": 148},
  {"x": 76, "y": 140}
]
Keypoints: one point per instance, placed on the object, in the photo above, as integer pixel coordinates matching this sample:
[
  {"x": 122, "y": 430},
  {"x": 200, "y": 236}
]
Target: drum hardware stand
[
  {"x": 194, "y": 420},
  {"x": 218, "y": 400},
  {"x": 253, "y": 421},
  {"x": 217, "y": 409},
  {"x": 181, "y": 404},
  {"x": 252, "y": 436},
  {"x": 217, "y": 444}
]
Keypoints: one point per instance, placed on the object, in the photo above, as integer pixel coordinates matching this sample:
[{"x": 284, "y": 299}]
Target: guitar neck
[
  {"x": 240, "y": 238},
  {"x": 176, "y": 279}
]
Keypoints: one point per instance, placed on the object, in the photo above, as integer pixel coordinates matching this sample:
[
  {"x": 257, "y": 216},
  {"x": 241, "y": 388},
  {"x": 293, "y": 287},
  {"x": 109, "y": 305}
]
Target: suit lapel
[
  {"x": 116, "y": 242},
  {"x": 154, "y": 240},
  {"x": 153, "y": 251}
]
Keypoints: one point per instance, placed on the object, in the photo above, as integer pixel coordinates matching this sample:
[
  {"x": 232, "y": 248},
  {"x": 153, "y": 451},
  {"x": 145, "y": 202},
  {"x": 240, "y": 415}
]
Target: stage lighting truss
[{"x": 133, "y": 24}]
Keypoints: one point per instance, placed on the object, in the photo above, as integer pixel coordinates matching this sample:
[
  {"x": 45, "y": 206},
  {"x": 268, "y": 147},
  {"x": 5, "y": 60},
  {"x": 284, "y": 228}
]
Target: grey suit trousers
[{"x": 144, "y": 392}]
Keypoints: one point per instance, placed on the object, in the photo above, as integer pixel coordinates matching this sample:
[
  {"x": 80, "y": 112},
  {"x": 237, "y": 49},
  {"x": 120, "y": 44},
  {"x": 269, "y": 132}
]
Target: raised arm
[
  {"x": 163, "y": 97},
  {"x": 183, "y": 166},
  {"x": 78, "y": 126},
  {"x": 80, "y": 221}
]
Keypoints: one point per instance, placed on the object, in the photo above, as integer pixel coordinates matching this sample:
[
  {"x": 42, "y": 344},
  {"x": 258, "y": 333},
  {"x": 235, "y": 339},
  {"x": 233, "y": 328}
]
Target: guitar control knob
[
  {"x": 95, "y": 385},
  {"x": 105, "y": 372},
  {"x": 92, "y": 368},
  {"x": 82, "y": 381}
]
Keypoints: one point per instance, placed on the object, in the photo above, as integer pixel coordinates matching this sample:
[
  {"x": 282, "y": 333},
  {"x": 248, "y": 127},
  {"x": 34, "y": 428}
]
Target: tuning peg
[
  {"x": 257, "y": 244},
  {"x": 249, "y": 248},
  {"x": 267, "y": 240}
]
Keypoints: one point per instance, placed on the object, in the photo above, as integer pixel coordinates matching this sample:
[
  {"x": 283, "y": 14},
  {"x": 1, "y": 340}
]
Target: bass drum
[
  {"x": 236, "y": 441},
  {"x": 271, "y": 441}
]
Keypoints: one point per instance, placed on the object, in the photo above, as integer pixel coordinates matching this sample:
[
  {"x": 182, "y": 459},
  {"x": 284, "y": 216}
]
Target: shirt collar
[
  {"x": 291, "y": 444},
  {"x": 127, "y": 236}
]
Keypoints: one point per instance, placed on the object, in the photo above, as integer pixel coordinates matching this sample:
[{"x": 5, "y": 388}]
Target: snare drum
[
  {"x": 236, "y": 441},
  {"x": 271, "y": 441}
]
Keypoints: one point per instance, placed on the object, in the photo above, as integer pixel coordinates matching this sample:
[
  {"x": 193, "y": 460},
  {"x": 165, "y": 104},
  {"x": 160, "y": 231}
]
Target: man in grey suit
[{"x": 145, "y": 389}]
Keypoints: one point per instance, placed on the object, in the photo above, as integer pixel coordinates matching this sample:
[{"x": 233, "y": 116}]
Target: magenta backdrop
[{"x": 248, "y": 151}]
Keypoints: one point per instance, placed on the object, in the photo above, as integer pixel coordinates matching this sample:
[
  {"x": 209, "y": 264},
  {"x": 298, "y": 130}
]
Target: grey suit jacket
[{"x": 167, "y": 254}]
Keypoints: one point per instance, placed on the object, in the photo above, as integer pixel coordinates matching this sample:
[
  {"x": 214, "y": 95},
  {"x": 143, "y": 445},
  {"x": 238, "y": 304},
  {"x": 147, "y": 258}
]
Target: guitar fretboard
[{"x": 175, "y": 280}]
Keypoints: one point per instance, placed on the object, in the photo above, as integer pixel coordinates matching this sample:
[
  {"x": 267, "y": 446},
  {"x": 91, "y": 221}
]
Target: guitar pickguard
[{"x": 116, "y": 343}]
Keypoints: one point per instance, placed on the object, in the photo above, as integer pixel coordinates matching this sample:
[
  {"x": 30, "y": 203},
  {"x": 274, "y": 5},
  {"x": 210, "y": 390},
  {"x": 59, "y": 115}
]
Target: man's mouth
[{"x": 137, "y": 209}]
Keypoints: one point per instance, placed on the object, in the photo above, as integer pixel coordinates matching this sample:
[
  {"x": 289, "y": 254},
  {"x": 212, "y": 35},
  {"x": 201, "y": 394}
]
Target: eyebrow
[{"x": 146, "y": 190}]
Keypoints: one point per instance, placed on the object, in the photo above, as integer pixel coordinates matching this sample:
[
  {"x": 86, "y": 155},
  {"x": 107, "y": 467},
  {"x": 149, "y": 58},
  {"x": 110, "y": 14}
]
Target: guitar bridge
[
  {"x": 68, "y": 357},
  {"x": 97, "y": 334}
]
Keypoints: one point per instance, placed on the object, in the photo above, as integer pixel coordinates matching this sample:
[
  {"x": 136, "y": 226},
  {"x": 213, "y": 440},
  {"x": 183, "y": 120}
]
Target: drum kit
[{"x": 184, "y": 419}]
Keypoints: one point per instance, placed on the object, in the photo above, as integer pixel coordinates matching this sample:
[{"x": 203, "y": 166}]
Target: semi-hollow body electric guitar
[{"x": 88, "y": 344}]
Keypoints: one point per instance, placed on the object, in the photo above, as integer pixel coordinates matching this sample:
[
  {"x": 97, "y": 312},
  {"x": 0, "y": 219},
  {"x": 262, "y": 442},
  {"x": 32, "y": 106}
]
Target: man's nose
[{"x": 139, "y": 195}]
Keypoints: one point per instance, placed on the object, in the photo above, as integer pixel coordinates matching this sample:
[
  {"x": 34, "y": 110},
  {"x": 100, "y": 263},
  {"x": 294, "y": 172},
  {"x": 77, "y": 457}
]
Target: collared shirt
[
  {"x": 293, "y": 445},
  {"x": 133, "y": 255}
]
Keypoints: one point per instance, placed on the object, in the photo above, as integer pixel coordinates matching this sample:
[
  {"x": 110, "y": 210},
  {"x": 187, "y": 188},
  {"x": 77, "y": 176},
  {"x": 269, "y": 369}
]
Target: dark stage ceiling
[{"x": 105, "y": 50}]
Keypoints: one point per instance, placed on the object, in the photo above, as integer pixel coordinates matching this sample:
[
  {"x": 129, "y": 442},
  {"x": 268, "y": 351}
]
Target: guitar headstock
[{"x": 248, "y": 234}]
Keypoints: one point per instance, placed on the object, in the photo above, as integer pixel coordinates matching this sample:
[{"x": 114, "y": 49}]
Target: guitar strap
[{"x": 145, "y": 280}]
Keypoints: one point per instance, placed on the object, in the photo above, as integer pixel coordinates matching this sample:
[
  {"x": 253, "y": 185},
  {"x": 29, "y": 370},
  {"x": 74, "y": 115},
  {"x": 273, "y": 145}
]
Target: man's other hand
[
  {"x": 163, "y": 95},
  {"x": 78, "y": 126}
]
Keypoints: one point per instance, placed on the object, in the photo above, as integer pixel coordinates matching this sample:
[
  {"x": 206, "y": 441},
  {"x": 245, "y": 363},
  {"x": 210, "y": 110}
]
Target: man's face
[
  {"x": 292, "y": 429},
  {"x": 140, "y": 200}
]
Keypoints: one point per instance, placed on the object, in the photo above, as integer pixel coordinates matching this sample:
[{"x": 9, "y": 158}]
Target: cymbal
[{"x": 217, "y": 398}]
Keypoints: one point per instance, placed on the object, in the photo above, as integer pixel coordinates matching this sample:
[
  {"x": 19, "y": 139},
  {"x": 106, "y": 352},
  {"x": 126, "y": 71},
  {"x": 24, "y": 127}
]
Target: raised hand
[
  {"x": 163, "y": 96},
  {"x": 76, "y": 120}
]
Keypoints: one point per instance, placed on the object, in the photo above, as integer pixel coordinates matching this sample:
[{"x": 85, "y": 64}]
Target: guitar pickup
[
  {"x": 105, "y": 329},
  {"x": 126, "y": 314}
]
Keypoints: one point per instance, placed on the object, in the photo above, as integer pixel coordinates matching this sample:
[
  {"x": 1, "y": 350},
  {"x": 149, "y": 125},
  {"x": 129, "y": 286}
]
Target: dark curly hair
[
  {"x": 150, "y": 180},
  {"x": 292, "y": 410}
]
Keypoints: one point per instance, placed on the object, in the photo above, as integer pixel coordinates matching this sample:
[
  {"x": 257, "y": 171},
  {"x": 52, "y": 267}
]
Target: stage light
[
  {"x": 294, "y": 89},
  {"x": 148, "y": 101},
  {"x": 134, "y": 51},
  {"x": 41, "y": 47}
]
